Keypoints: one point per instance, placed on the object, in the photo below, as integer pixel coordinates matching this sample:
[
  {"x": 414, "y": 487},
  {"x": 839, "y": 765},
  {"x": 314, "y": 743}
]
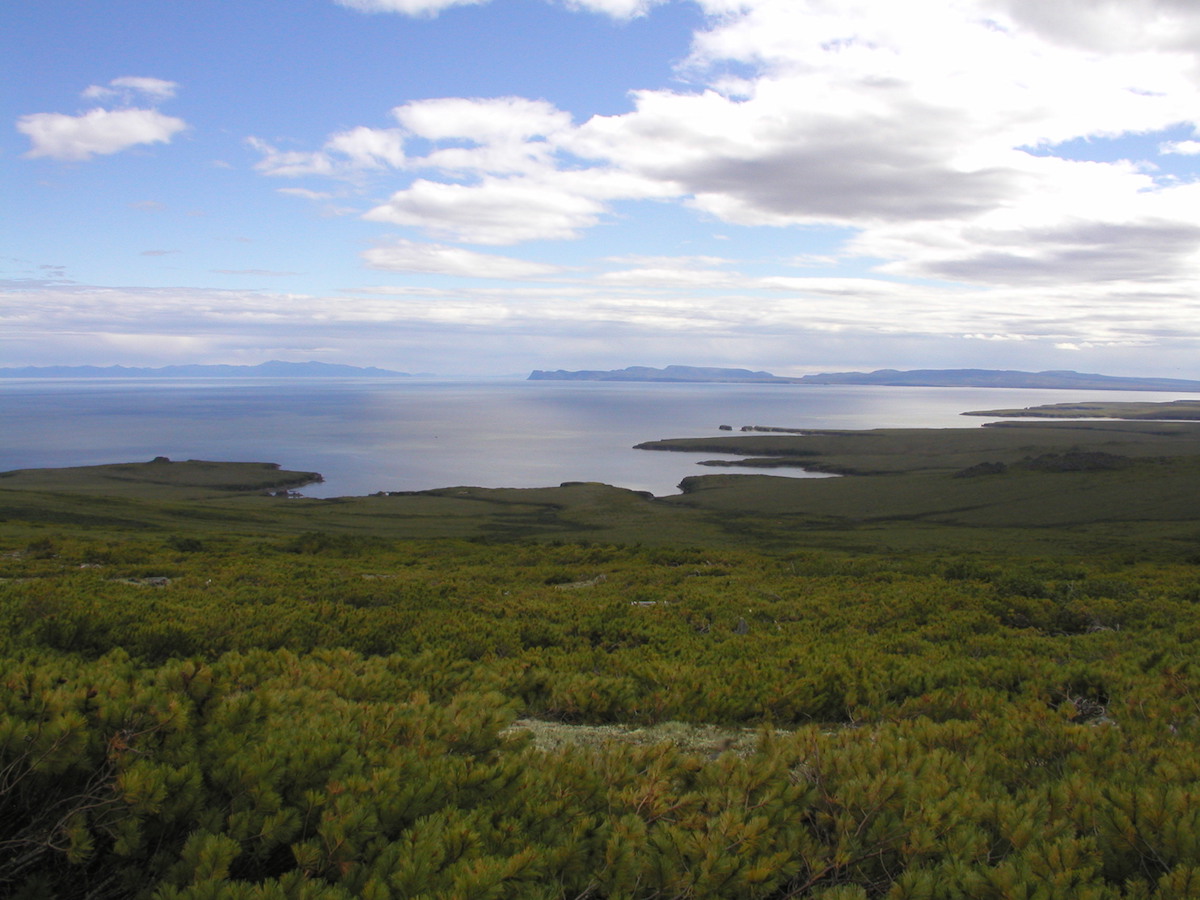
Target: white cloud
[
  {"x": 494, "y": 211},
  {"x": 929, "y": 130},
  {"x": 439, "y": 259},
  {"x": 501, "y": 134},
  {"x": 670, "y": 277},
  {"x": 624, "y": 319},
  {"x": 684, "y": 272},
  {"x": 406, "y": 7},
  {"x": 860, "y": 115},
  {"x": 1113, "y": 25},
  {"x": 869, "y": 112},
  {"x": 96, "y": 132},
  {"x": 290, "y": 163},
  {"x": 1079, "y": 223},
  {"x": 617, "y": 9},
  {"x": 155, "y": 90},
  {"x": 489, "y": 135},
  {"x": 102, "y": 131},
  {"x": 706, "y": 262},
  {"x": 482, "y": 120},
  {"x": 369, "y": 147},
  {"x": 305, "y": 193}
]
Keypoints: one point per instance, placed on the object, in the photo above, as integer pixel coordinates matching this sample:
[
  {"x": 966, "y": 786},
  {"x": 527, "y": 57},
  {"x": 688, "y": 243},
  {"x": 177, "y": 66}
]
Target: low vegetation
[
  {"x": 917, "y": 683},
  {"x": 1174, "y": 409}
]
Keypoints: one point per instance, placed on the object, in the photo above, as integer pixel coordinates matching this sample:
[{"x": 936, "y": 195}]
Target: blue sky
[{"x": 493, "y": 187}]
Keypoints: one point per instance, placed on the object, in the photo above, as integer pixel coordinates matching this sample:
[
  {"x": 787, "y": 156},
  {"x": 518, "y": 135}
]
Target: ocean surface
[{"x": 366, "y": 436}]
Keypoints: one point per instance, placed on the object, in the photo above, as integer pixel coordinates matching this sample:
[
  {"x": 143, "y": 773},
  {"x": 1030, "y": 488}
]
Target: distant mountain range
[
  {"x": 670, "y": 373},
  {"x": 1003, "y": 378},
  {"x": 1066, "y": 380},
  {"x": 272, "y": 369}
]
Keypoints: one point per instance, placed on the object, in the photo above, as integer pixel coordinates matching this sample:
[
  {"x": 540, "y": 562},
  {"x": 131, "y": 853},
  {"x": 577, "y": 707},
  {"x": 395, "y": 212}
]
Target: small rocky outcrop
[
  {"x": 983, "y": 468},
  {"x": 576, "y": 585}
]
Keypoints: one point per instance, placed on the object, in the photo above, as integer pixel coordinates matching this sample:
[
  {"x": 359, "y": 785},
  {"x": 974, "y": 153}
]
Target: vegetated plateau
[{"x": 966, "y": 669}]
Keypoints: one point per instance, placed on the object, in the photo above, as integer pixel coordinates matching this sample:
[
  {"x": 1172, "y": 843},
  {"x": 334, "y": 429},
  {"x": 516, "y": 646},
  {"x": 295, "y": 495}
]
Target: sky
[{"x": 465, "y": 187}]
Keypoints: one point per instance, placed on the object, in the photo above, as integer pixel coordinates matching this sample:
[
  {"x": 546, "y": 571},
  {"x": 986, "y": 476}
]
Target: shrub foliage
[{"x": 322, "y": 717}]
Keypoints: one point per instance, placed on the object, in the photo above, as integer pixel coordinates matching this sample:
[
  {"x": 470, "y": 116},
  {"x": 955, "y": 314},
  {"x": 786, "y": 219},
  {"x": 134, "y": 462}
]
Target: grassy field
[
  {"x": 1175, "y": 409},
  {"x": 1073, "y": 485},
  {"x": 967, "y": 667}
]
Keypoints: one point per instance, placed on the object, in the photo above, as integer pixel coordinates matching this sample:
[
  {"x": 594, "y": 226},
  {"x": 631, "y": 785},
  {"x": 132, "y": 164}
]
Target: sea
[{"x": 366, "y": 435}]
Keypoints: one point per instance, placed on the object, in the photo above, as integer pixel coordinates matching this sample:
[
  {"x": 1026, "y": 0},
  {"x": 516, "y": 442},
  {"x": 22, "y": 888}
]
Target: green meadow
[{"x": 963, "y": 666}]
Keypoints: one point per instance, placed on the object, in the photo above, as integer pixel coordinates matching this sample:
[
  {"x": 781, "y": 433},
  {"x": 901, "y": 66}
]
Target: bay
[{"x": 366, "y": 435}]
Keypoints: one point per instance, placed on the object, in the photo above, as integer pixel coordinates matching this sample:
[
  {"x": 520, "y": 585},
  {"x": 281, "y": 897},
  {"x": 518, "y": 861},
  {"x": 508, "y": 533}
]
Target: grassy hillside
[
  {"x": 970, "y": 673},
  {"x": 1050, "y": 485}
]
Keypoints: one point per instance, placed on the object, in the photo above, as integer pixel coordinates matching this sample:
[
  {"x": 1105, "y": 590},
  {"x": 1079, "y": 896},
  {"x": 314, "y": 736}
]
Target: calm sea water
[{"x": 366, "y": 436}]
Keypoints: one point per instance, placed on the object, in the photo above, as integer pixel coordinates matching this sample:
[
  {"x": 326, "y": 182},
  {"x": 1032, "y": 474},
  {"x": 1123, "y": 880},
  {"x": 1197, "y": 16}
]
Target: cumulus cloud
[
  {"x": 932, "y": 133},
  {"x": 439, "y": 259},
  {"x": 778, "y": 159},
  {"x": 98, "y": 132},
  {"x": 867, "y": 112},
  {"x": 863, "y": 115},
  {"x": 493, "y": 171}
]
